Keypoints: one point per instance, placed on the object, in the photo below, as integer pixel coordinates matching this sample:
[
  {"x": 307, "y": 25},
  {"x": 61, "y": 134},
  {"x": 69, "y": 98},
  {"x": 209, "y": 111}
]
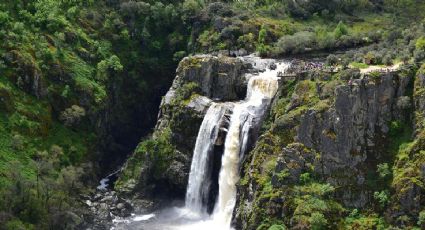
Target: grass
[{"x": 359, "y": 65}]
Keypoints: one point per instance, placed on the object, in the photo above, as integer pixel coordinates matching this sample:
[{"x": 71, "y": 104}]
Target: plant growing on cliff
[
  {"x": 383, "y": 170},
  {"x": 277, "y": 227},
  {"x": 382, "y": 198},
  {"x": 158, "y": 150},
  {"x": 73, "y": 115},
  {"x": 421, "y": 218}
]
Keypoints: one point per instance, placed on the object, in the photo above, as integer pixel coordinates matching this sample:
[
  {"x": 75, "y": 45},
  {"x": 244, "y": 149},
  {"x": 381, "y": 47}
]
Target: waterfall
[
  {"x": 200, "y": 170},
  {"x": 245, "y": 121},
  {"x": 246, "y": 116}
]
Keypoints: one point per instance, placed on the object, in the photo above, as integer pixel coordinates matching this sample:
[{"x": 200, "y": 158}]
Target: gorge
[
  {"x": 212, "y": 114},
  {"x": 239, "y": 123}
]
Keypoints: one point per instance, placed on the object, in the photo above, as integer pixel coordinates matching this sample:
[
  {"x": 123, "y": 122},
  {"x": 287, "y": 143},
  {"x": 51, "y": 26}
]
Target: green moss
[
  {"x": 191, "y": 63},
  {"x": 185, "y": 93}
]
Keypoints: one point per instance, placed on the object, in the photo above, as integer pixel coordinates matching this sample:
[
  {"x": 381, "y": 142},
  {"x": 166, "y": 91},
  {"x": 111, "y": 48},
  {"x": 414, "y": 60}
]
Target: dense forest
[{"x": 81, "y": 82}]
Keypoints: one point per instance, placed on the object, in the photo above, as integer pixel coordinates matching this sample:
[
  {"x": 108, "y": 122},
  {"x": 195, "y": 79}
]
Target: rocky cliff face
[
  {"x": 334, "y": 145},
  {"x": 325, "y": 151},
  {"x": 199, "y": 81},
  {"x": 352, "y": 134}
]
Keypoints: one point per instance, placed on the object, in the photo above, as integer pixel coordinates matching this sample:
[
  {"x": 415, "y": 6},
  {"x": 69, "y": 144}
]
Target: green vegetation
[{"x": 76, "y": 75}]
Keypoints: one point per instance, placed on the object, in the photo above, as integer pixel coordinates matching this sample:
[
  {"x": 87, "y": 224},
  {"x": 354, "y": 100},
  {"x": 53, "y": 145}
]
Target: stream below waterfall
[{"x": 245, "y": 120}]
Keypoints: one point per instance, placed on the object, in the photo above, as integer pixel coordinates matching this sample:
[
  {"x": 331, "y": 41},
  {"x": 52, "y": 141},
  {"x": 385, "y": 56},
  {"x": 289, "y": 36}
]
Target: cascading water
[
  {"x": 200, "y": 170},
  {"x": 244, "y": 122},
  {"x": 261, "y": 90}
]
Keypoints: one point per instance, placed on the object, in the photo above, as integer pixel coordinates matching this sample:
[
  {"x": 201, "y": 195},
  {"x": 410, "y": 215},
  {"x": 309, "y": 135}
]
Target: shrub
[
  {"x": 318, "y": 221},
  {"x": 277, "y": 227},
  {"x": 73, "y": 115},
  {"x": 104, "y": 66},
  {"x": 191, "y": 8},
  {"x": 15, "y": 225},
  {"x": 383, "y": 170},
  {"x": 375, "y": 76},
  {"x": 420, "y": 43},
  {"x": 179, "y": 55},
  {"x": 349, "y": 74},
  {"x": 295, "y": 43},
  {"x": 419, "y": 55},
  {"x": 387, "y": 60},
  {"x": 247, "y": 41},
  {"x": 340, "y": 30},
  {"x": 4, "y": 17},
  {"x": 358, "y": 221},
  {"x": 56, "y": 151},
  {"x": 331, "y": 60},
  {"x": 305, "y": 178},
  {"x": 421, "y": 218},
  {"x": 220, "y": 9},
  {"x": 382, "y": 198},
  {"x": 396, "y": 127},
  {"x": 186, "y": 91},
  {"x": 17, "y": 142}
]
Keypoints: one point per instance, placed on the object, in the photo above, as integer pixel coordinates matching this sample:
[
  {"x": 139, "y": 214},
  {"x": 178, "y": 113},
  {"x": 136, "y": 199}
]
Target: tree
[
  {"x": 331, "y": 60},
  {"x": 191, "y": 8},
  {"x": 69, "y": 180},
  {"x": 104, "y": 67}
]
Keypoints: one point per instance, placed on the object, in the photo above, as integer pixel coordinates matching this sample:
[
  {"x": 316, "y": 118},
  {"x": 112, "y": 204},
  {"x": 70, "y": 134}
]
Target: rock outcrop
[
  {"x": 336, "y": 132},
  {"x": 200, "y": 80},
  {"x": 353, "y": 133}
]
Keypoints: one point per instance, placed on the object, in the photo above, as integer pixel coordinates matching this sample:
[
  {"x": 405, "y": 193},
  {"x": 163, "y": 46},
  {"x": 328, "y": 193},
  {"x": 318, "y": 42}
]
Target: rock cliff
[
  {"x": 325, "y": 150},
  {"x": 333, "y": 146},
  {"x": 199, "y": 80}
]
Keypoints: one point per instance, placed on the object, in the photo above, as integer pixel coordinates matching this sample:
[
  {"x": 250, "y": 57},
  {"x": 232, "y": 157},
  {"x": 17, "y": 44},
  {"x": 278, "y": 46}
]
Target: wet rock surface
[
  {"x": 200, "y": 81},
  {"x": 105, "y": 205}
]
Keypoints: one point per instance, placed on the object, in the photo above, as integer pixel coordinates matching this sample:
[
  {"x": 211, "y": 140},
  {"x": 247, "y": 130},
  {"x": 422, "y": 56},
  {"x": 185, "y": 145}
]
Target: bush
[
  {"x": 191, "y": 8},
  {"x": 277, "y": 227},
  {"x": 296, "y": 43},
  {"x": 420, "y": 43},
  {"x": 331, "y": 60},
  {"x": 17, "y": 142},
  {"x": 56, "y": 151},
  {"x": 219, "y": 9},
  {"x": 247, "y": 41},
  {"x": 383, "y": 170},
  {"x": 396, "y": 127},
  {"x": 179, "y": 55},
  {"x": 73, "y": 115},
  {"x": 16, "y": 225},
  {"x": 387, "y": 60},
  {"x": 340, "y": 30},
  {"x": 305, "y": 178},
  {"x": 349, "y": 74},
  {"x": 419, "y": 55},
  {"x": 318, "y": 221},
  {"x": 382, "y": 198},
  {"x": 421, "y": 218}
]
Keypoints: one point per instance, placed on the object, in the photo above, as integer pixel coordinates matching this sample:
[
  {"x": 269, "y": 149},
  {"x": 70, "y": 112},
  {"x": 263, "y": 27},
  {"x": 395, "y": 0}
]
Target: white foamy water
[
  {"x": 247, "y": 115},
  {"x": 261, "y": 90},
  {"x": 200, "y": 171}
]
